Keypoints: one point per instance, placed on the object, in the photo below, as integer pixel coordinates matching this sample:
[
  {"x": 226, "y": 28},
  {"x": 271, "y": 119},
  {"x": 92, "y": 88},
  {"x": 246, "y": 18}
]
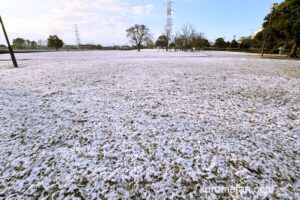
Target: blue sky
[{"x": 105, "y": 21}]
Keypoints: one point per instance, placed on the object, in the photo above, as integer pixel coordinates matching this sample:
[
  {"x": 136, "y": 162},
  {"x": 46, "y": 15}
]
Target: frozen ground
[{"x": 148, "y": 125}]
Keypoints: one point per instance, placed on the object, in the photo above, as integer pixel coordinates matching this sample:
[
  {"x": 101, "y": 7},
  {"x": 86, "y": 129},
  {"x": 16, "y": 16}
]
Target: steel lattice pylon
[
  {"x": 77, "y": 36},
  {"x": 169, "y": 25}
]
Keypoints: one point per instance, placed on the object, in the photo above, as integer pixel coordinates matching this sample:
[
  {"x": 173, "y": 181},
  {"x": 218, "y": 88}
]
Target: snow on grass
[{"x": 148, "y": 125}]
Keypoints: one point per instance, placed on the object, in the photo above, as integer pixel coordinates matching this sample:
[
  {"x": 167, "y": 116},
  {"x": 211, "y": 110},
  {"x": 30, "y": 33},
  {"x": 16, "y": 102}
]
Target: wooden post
[
  {"x": 12, "y": 55},
  {"x": 274, "y": 6},
  {"x": 266, "y": 37}
]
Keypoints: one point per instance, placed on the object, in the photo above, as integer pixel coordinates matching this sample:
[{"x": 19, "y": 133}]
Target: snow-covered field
[{"x": 149, "y": 125}]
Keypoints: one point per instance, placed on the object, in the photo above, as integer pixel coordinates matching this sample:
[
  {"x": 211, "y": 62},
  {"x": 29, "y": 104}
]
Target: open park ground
[{"x": 149, "y": 125}]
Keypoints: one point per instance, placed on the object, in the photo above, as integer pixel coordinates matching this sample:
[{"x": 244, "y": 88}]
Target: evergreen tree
[
  {"x": 220, "y": 43},
  {"x": 234, "y": 44},
  {"x": 284, "y": 22},
  {"x": 55, "y": 42},
  {"x": 162, "y": 42}
]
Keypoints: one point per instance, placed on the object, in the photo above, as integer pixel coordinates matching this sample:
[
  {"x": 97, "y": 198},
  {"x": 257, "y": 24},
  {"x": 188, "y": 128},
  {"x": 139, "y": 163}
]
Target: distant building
[
  {"x": 244, "y": 38},
  {"x": 88, "y": 46}
]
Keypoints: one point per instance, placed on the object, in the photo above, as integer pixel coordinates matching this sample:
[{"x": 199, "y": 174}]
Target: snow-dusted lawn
[{"x": 148, "y": 125}]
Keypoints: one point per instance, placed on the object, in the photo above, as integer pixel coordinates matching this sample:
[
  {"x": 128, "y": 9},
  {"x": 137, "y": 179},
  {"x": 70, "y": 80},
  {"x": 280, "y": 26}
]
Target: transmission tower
[
  {"x": 77, "y": 36},
  {"x": 169, "y": 25}
]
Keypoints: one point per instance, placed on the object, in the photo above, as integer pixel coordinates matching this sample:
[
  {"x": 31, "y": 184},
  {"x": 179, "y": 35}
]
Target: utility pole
[
  {"x": 12, "y": 55},
  {"x": 274, "y": 6}
]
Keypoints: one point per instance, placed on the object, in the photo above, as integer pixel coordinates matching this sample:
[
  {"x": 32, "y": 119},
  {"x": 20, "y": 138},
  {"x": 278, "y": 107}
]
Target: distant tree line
[
  {"x": 281, "y": 30},
  {"x": 20, "y": 43},
  {"x": 53, "y": 42},
  {"x": 187, "y": 39}
]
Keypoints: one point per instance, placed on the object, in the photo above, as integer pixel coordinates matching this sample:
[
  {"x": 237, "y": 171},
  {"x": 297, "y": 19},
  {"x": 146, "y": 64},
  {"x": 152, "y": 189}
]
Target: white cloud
[
  {"x": 143, "y": 10},
  {"x": 99, "y": 21}
]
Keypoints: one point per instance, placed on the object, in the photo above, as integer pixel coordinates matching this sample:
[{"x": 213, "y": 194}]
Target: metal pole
[{"x": 12, "y": 55}]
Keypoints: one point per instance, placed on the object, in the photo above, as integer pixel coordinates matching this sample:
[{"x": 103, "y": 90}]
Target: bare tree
[
  {"x": 189, "y": 38},
  {"x": 138, "y": 34},
  {"x": 178, "y": 41},
  {"x": 187, "y": 34},
  {"x": 149, "y": 43},
  {"x": 199, "y": 41}
]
